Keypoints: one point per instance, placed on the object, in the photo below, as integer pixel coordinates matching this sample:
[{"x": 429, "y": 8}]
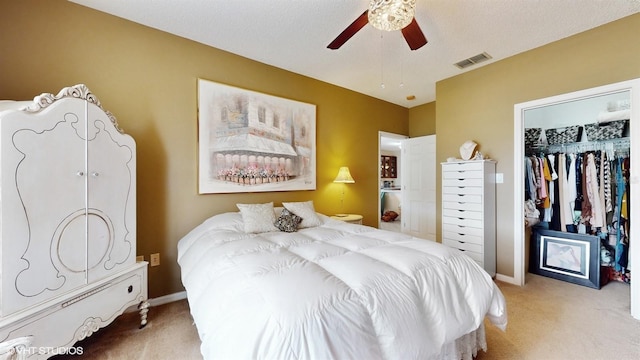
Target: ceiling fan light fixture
[{"x": 391, "y": 15}]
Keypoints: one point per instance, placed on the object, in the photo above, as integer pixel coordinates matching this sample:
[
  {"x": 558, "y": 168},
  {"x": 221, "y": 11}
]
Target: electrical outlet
[
  {"x": 155, "y": 259},
  {"x": 140, "y": 258}
]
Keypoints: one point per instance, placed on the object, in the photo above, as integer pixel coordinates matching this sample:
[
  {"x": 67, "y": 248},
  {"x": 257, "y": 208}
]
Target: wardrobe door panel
[
  {"x": 110, "y": 196},
  {"x": 45, "y": 203}
]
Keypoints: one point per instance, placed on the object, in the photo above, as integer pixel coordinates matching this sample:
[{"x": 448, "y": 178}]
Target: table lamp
[{"x": 344, "y": 177}]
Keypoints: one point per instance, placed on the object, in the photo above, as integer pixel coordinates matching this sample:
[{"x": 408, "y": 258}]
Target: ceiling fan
[{"x": 389, "y": 15}]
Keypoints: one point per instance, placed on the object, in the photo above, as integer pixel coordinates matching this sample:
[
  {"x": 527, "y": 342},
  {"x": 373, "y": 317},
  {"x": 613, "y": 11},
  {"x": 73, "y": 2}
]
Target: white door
[{"x": 418, "y": 179}]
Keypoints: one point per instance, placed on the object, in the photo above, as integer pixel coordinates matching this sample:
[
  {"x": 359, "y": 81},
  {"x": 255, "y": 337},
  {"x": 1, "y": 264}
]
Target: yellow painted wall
[
  {"x": 422, "y": 120},
  {"x": 147, "y": 79},
  {"x": 479, "y": 104}
]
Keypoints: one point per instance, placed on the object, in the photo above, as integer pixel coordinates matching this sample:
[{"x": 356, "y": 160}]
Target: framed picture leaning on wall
[{"x": 566, "y": 256}]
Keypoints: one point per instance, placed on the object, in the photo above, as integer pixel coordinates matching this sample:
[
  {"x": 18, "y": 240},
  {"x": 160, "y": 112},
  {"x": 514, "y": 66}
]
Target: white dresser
[
  {"x": 68, "y": 223},
  {"x": 468, "y": 210}
]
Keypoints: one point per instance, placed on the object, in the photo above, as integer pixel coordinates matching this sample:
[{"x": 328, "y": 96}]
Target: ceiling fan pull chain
[{"x": 381, "y": 60}]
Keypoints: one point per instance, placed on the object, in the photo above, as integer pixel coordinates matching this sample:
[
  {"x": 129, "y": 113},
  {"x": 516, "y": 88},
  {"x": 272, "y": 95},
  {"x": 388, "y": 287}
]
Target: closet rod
[{"x": 614, "y": 144}]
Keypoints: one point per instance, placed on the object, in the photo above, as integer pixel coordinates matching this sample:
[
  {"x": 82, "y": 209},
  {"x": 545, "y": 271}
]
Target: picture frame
[
  {"x": 253, "y": 142},
  {"x": 566, "y": 256}
]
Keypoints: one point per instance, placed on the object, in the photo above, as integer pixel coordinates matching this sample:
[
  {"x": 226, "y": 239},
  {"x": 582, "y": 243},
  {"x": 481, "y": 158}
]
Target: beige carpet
[
  {"x": 551, "y": 319},
  {"x": 169, "y": 334},
  {"x": 548, "y": 319}
]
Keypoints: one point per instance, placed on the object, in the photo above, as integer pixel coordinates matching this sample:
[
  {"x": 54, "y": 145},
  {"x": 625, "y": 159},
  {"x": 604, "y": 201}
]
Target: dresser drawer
[
  {"x": 463, "y": 182},
  {"x": 462, "y": 206},
  {"x": 463, "y": 246},
  {"x": 462, "y": 166},
  {"x": 463, "y": 238},
  {"x": 462, "y": 198},
  {"x": 462, "y": 229},
  {"x": 462, "y": 174},
  {"x": 465, "y": 190},
  {"x": 463, "y": 222},
  {"x": 462, "y": 214},
  {"x": 468, "y": 210},
  {"x": 61, "y": 322}
]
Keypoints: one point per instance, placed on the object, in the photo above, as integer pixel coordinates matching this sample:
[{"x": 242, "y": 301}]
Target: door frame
[{"x": 384, "y": 134}]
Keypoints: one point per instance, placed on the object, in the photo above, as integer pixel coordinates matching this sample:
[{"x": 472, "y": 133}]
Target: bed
[{"x": 290, "y": 283}]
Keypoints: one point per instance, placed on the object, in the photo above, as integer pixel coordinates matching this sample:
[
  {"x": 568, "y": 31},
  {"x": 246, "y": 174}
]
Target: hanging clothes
[
  {"x": 593, "y": 193},
  {"x": 555, "y": 222},
  {"x": 585, "y": 193},
  {"x": 569, "y": 194}
]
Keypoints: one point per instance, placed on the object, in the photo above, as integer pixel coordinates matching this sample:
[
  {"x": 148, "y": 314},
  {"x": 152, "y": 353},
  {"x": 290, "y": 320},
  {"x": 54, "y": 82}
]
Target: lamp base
[{"x": 341, "y": 215}]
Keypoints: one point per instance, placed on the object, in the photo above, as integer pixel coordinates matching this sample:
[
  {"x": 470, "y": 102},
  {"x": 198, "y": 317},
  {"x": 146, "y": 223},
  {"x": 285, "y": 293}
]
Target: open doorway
[{"x": 389, "y": 191}]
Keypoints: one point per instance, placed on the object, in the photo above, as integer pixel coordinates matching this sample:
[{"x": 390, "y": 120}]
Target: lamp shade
[{"x": 344, "y": 176}]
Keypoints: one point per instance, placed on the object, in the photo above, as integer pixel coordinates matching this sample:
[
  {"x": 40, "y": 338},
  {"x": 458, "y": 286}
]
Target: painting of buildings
[{"x": 253, "y": 142}]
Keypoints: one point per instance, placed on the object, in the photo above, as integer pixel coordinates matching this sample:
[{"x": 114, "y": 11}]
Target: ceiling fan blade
[
  {"x": 414, "y": 36},
  {"x": 345, "y": 35}
]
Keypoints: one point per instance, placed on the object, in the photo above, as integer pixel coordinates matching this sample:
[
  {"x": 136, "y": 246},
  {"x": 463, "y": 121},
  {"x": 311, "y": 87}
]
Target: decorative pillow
[
  {"x": 288, "y": 221},
  {"x": 306, "y": 211},
  {"x": 258, "y": 218}
]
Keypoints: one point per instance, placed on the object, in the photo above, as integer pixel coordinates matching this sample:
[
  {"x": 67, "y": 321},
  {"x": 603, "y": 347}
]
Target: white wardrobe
[{"x": 68, "y": 223}]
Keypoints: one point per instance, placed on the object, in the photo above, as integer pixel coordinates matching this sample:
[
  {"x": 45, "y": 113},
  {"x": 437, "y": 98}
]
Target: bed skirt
[{"x": 465, "y": 347}]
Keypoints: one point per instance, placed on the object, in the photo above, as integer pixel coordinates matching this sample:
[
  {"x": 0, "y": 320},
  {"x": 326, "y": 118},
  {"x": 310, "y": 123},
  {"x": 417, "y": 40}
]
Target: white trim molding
[{"x": 162, "y": 300}]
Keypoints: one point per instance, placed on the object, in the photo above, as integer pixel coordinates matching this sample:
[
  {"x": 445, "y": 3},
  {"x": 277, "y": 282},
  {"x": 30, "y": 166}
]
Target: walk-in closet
[{"x": 577, "y": 184}]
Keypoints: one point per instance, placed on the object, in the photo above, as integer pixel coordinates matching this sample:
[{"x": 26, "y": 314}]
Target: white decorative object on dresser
[
  {"x": 68, "y": 220},
  {"x": 468, "y": 210}
]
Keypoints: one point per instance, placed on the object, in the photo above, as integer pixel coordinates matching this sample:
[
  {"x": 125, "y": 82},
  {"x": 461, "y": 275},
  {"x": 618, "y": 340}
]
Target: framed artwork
[
  {"x": 566, "y": 256},
  {"x": 253, "y": 142}
]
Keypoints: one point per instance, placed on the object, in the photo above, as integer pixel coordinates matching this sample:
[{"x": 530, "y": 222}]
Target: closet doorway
[{"x": 623, "y": 95}]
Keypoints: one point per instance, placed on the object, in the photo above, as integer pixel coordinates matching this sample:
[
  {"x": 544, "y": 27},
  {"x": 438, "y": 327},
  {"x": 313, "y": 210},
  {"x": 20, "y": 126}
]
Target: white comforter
[{"x": 337, "y": 291}]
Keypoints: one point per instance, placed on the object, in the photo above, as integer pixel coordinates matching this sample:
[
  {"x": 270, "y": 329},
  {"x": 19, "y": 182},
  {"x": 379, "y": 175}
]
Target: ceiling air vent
[{"x": 473, "y": 60}]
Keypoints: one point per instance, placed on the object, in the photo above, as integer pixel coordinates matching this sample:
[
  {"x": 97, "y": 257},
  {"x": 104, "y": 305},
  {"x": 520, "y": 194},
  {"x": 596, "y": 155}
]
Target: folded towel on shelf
[{"x": 607, "y": 116}]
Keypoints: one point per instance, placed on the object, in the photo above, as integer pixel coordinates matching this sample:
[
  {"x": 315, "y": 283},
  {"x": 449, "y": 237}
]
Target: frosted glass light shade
[{"x": 391, "y": 15}]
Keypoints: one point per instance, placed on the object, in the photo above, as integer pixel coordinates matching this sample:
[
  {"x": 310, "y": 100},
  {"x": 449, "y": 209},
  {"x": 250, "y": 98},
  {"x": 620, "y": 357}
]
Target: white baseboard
[
  {"x": 168, "y": 298},
  {"x": 507, "y": 279},
  {"x": 162, "y": 300}
]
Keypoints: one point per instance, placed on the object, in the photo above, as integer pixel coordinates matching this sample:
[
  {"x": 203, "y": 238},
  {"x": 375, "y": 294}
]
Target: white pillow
[
  {"x": 306, "y": 211},
  {"x": 258, "y": 218}
]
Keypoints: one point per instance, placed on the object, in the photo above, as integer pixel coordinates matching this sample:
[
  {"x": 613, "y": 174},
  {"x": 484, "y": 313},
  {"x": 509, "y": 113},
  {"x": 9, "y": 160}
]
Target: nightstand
[{"x": 350, "y": 218}]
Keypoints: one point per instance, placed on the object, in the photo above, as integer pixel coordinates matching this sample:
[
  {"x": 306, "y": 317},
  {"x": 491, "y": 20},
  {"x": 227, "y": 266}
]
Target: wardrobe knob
[
  {"x": 80, "y": 173},
  {"x": 94, "y": 174}
]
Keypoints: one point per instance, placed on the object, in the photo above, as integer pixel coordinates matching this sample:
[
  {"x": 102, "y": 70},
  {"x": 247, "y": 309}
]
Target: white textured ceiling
[{"x": 293, "y": 35}]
